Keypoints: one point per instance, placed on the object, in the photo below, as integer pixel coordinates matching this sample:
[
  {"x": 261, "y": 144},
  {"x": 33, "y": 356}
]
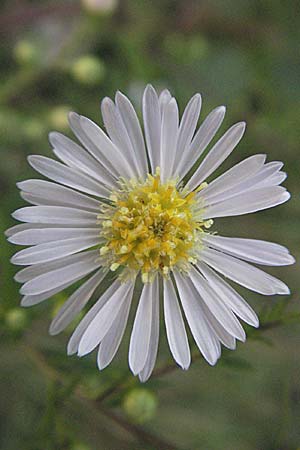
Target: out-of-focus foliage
[{"x": 67, "y": 55}]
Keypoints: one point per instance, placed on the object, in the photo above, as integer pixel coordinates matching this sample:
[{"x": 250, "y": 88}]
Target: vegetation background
[{"x": 63, "y": 55}]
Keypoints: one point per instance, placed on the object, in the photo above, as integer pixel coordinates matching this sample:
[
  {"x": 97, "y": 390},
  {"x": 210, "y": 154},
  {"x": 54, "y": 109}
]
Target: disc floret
[{"x": 151, "y": 227}]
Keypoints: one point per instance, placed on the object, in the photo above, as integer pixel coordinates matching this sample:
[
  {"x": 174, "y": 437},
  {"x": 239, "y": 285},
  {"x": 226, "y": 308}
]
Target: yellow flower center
[{"x": 151, "y": 227}]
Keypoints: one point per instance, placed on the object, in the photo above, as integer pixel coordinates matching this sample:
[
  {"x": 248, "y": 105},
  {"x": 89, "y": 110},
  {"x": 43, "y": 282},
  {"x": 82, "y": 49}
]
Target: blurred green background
[{"x": 58, "y": 56}]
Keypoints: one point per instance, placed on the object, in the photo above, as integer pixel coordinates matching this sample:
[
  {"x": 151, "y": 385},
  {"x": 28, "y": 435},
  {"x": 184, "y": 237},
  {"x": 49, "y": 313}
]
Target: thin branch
[{"x": 139, "y": 432}]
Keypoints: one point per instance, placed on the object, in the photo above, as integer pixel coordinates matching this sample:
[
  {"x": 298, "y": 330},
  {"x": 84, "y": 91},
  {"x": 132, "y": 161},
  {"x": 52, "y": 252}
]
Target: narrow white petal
[
  {"x": 267, "y": 176},
  {"x": 30, "y": 272},
  {"x": 57, "y": 277},
  {"x": 42, "y": 235},
  {"x": 95, "y": 141},
  {"x": 187, "y": 127},
  {"x": 140, "y": 336},
  {"x": 134, "y": 131},
  {"x": 248, "y": 202},
  {"x": 104, "y": 319},
  {"x": 50, "y": 251},
  {"x": 220, "y": 151},
  {"x": 22, "y": 227},
  {"x": 68, "y": 176},
  {"x": 118, "y": 134},
  {"x": 201, "y": 331},
  {"x": 169, "y": 133},
  {"x": 154, "y": 337},
  {"x": 73, "y": 155},
  {"x": 100, "y": 146},
  {"x": 175, "y": 328},
  {"x": 75, "y": 303},
  {"x": 253, "y": 250},
  {"x": 164, "y": 98},
  {"x": 243, "y": 273},
  {"x": 237, "y": 304},
  {"x": 232, "y": 177},
  {"x": 202, "y": 138},
  {"x": 89, "y": 316},
  {"x": 59, "y": 215},
  {"x": 112, "y": 340},
  {"x": 220, "y": 310},
  {"x": 222, "y": 335},
  {"x": 31, "y": 300},
  {"x": 152, "y": 125}
]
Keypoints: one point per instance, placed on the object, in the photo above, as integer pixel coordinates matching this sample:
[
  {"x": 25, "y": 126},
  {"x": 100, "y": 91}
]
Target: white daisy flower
[{"x": 123, "y": 204}]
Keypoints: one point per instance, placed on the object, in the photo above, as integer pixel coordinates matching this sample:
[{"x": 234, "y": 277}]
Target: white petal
[
  {"x": 253, "y": 250},
  {"x": 134, "y": 131},
  {"x": 220, "y": 151},
  {"x": 232, "y": 177},
  {"x": 54, "y": 191},
  {"x": 243, "y": 273},
  {"x": 222, "y": 313},
  {"x": 75, "y": 303},
  {"x": 100, "y": 146},
  {"x": 175, "y": 328},
  {"x": 263, "y": 178},
  {"x": 154, "y": 337},
  {"x": 201, "y": 331},
  {"x": 22, "y": 227},
  {"x": 73, "y": 155},
  {"x": 235, "y": 302},
  {"x": 164, "y": 98},
  {"x": 221, "y": 334},
  {"x": 202, "y": 138},
  {"x": 95, "y": 142},
  {"x": 152, "y": 125},
  {"x": 57, "y": 277},
  {"x": 169, "y": 133},
  {"x": 117, "y": 132},
  {"x": 43, "y": 235},
  {"x": 50, "y": 251},
  {"x": 30, "y": 300},
  {"x": 187, "y": 127},
  {"x": 67, "y": 175},
  {"x": 38, "y": 269},
  {"x": 104, "y": 319},
  {"x": 248, "y": 202},
  {"x": 60, "y": 215},
  {"x": 90, "y": 315},
  {"x": 140, "y": 336},
  {"x": 112, "y": 340}
]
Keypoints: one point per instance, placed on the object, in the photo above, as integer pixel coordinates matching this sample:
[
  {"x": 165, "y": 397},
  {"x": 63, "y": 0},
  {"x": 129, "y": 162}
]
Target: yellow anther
[
  {"x": 145, "y": 277},
  {"x": 104, "y": 250},
  {"x": 114, "y": 267},
  {"x": 124, "y": 249},
  {"x": 106, "y": 223},
  {"x": 165, "y": 270},
  {"x": 208, "y": 223}
]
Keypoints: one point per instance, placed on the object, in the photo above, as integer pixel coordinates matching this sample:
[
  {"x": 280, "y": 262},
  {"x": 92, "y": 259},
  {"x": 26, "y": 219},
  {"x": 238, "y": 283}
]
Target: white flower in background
[{"x": 122, "y": 204}]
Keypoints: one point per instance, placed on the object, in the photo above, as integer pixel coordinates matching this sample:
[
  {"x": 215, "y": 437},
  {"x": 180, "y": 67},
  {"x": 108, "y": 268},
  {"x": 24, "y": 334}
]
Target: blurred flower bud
[
  {"x": 140, "y": 405},
  {"x": 88, "y": 70},
  {"x": 100, "y": 6},
  {"x": 80, "y": 446},
  {"x": 16, "y": 319},
  {"x": 26, "y": 53},
  {"x": 58, "y": 117}
]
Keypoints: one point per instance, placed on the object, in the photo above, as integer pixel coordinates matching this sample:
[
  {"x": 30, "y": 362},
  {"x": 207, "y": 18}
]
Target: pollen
[{"x": 151, "y": 227}]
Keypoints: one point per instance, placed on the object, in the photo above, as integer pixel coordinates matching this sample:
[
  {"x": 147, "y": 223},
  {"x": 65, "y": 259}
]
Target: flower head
[{"x": 141, "y": 211}]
